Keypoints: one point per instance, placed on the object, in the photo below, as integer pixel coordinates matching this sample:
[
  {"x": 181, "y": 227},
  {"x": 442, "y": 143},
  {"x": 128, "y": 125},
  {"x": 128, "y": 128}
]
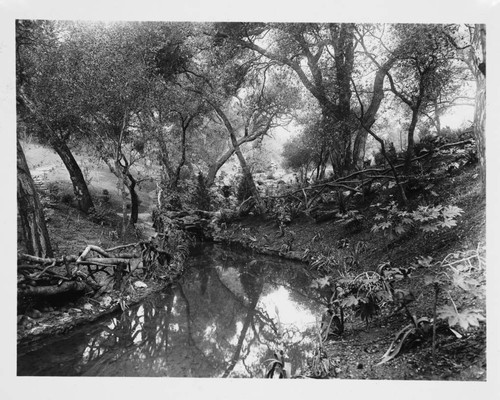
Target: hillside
[
  {"x": 347, "y": 247},
  {"x": 340, "y": 248}
]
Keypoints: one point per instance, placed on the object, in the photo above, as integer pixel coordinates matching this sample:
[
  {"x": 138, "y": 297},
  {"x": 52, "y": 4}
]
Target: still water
[{"x": 224, "y": 319}]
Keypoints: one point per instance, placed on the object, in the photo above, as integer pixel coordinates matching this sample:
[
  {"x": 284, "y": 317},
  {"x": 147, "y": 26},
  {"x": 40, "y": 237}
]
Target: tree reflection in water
[{"x": 219, "y": 321}]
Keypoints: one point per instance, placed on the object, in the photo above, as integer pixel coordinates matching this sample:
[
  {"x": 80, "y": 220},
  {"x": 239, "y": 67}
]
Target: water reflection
[{"x": 220, "y": 321}]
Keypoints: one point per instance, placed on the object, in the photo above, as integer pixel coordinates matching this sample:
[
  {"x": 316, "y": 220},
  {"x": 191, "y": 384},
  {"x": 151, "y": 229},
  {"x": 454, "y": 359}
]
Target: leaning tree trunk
[
  {"x": 368, "y": 117},
  {"x": 216, "y": 166},
  {"x": 134, "y": 198},
  {"x": 35, "y": 233},
  {"x": 248, "y": 173},
  {"x": 80, "y": 187},
  {"x": 237, "y": 149}
]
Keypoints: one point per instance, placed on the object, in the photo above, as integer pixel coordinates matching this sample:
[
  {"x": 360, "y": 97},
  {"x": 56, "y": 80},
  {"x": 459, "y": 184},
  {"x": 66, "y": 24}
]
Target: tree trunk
[
  {"x": 182, "y": 161},
  {"x": 368, "y": 117},
  {"x": 411, "y": 141},
  {"x": 247, "y": 172},
  {"x": 134, "y": 198},
  {"x": 480, "y": 103},
  {"x": 35, "y": 233},
  {"x": 239, "y": 154},
  {"x": 214, "y": 168},
  {"x": 437, "y": 117},
  {"x": 343, "y": 43},
  {"x": 80, "y": 187}
]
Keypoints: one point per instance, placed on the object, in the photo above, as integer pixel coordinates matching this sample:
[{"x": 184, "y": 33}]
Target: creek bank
[
  {"x": 117, "y": 284},
  {"x": 41, "y": 325}
]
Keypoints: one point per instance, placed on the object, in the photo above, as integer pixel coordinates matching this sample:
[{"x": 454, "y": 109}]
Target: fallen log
[
  {"x": 47, "y": 261},
  {"x": 52, "y": 290}
]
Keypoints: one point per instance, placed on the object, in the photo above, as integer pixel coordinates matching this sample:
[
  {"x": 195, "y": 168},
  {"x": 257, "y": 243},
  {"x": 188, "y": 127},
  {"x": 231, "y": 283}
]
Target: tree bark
[
  {"x": 214, "y": 168},
  {"x": 53, "y": 290},
  {"x": 236, "y": 146},
  {"x": 480, "y": 103},
  {"x": 368, "y": 116},
  {"x": 35, "y": 233},
  {"x": 134, "y": 198},
  {"x": 343, "y": 43},
  {"x": 80, "y": 187},
  {"x": 411, "y": 140}
]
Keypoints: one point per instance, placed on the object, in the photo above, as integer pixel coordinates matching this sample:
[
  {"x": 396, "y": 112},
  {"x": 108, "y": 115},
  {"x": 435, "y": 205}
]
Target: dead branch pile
[{"x": 95, "y": 269}]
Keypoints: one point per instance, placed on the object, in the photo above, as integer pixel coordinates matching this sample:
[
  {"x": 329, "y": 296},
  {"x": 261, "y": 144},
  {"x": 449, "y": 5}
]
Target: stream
[{"x": 225, "y": 318}]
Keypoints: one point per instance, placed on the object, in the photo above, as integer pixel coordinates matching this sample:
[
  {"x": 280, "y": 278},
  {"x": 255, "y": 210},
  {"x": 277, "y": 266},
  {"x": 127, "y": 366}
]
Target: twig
[
  {"x": 45, "y": 269},
  {"x": 123, "y": 246}
]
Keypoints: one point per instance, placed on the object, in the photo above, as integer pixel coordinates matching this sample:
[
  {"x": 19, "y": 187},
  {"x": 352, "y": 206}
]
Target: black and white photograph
[{"x": 260, "y": 198}]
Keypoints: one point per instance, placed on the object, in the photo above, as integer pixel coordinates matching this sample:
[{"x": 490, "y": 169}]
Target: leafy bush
[
  {"x": 352, "y": 221},
  {"x": 454, "y": 272},
  {"x": 201, "y": 195},
  {"x": 66, "y": 198},
  {"x": 102, "y": 214},
  {"x": 391, "y": 154},
  {"x": 395, "y": 222},
  {"x": 281, "y": 211}
]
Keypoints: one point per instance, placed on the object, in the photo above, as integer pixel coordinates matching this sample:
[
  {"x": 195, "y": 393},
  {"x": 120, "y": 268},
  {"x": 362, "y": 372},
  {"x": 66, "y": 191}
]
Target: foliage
[
  {"x": 301, "y": 153},
  {"x": 281, "y": 211},
  {"x": 102, "y": 213},
  {"x": 352, "y": 221},
  {"x": 407, "y": 336},
  {"x": 453, "y": 272},
  {"x": 363, "y": 294},
  {"x": 395, "y": 222},
  {"x": 391, "y": 154},
  {"x": 201, "y": 195},
  {"x": 244, "y": 191}
]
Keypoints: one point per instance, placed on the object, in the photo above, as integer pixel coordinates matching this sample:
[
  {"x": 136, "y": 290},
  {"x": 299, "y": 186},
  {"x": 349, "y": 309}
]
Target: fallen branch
[
  {"x": 64, "y": 287},
  {"x": 46, "y": 261}
]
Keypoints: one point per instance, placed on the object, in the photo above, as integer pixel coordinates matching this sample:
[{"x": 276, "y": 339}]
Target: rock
[
  {"x": 87, "y": 307},
  {"x": 106, "y": 301},
  {"x": 140, "y": 285},
  {"x": 36, "y": 314}
]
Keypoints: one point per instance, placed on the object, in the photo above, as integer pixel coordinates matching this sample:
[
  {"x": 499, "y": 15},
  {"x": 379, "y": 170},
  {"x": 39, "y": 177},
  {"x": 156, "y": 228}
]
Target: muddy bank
[{"x": 38, "y": 325}]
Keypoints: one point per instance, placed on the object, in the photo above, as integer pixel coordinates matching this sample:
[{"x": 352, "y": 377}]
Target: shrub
[
  {"x": 391, "y": 154},
  {"x": 105, "y": 196},
  {"x": 66, "y": 198},
  {"x": 102, "y": 214},
  {"x": 201, "y": 195},
  {"x": 395, "y": 222}
]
